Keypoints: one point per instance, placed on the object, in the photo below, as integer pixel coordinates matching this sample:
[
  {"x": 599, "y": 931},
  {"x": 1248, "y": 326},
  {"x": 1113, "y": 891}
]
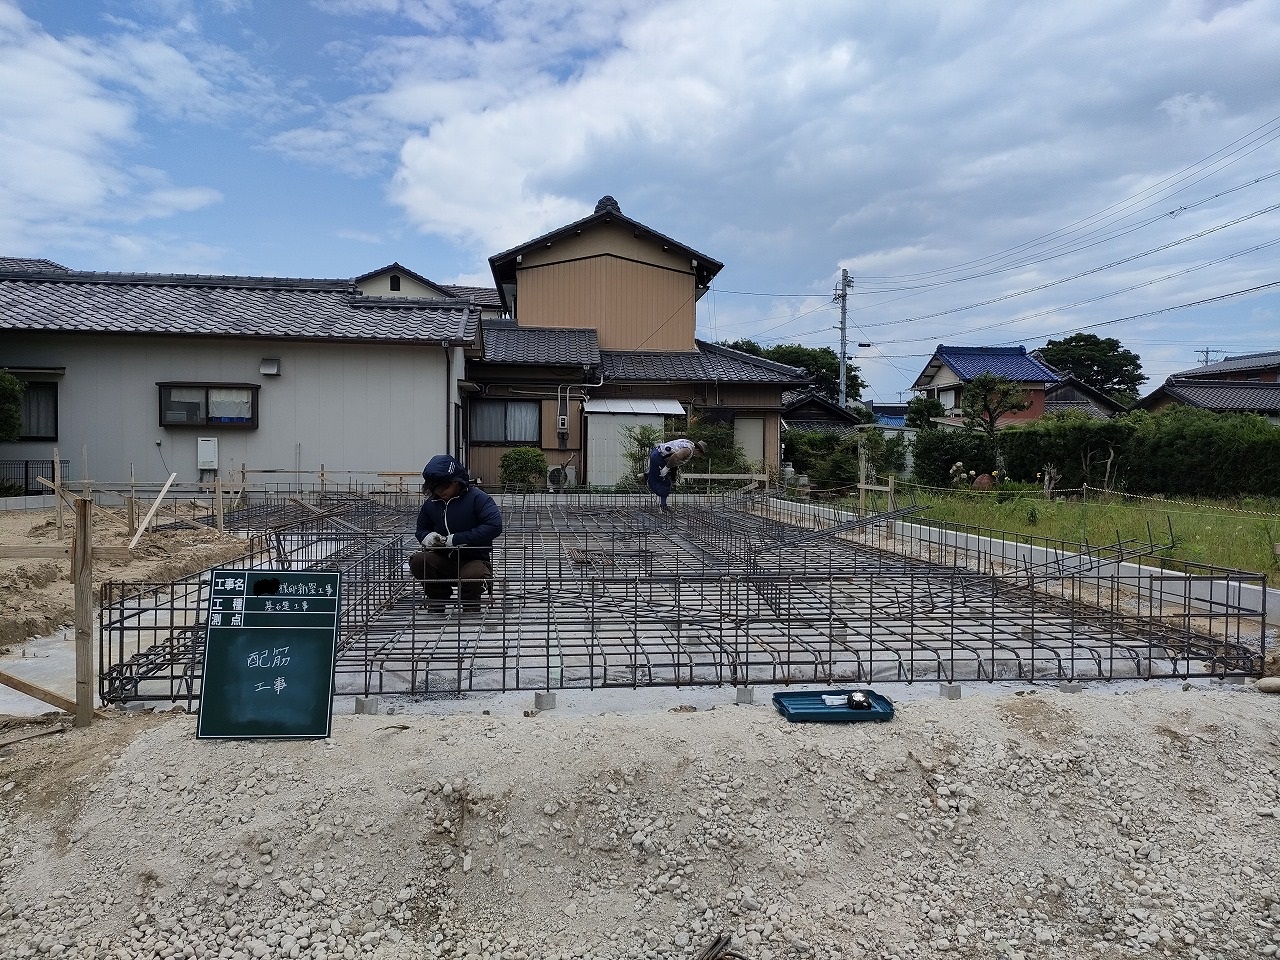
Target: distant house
[
  {"x": 951, "y": 368},
  {"x": 142, "y": 375},
  {"x": 1263, "y": 367},
  {"x": 890, "y": 416},
  {"x": 810, "y": 412},
  {"x": 1220, "y": 396},
  {"x": 1072, "y": 394},
  {"x": 598, "y": 336}
]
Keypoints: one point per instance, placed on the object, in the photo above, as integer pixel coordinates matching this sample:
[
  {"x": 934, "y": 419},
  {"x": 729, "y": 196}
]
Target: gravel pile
[{"x": 1023, "y": 826}]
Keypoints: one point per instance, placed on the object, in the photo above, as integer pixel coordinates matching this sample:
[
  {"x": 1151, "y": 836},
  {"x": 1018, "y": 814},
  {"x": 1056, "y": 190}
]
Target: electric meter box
[{"x": 207, "y": 453}]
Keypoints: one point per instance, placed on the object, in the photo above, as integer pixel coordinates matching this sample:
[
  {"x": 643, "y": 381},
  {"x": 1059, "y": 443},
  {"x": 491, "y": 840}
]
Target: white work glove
[
  {"x": 433, "y": 540},
  {"x": 664, "y": 471}
]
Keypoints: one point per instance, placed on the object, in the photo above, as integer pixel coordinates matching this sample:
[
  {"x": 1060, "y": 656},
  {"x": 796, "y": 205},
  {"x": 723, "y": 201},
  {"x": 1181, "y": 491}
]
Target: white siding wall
[
  {"x": 351, "y": 407},
  {"x": 748, "y": 433},
  {"x": 606, "y": 462}
]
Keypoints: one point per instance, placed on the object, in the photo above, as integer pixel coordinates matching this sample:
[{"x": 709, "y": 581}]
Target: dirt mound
[
  {"x": 37, "y": 597},
  {"x": 1041, "y": 825}
]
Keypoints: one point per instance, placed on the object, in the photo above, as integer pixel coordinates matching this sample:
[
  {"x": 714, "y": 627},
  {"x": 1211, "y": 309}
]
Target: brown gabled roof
[{"x": 503, "y": 264}]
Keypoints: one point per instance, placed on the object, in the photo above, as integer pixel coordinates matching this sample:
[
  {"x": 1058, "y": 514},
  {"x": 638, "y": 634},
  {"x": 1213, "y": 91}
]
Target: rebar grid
[{"x": 603, "y": 590}]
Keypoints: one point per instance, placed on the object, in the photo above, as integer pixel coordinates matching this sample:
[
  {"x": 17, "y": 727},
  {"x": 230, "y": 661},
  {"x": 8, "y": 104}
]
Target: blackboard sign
[{"x": 269, "y": 654}]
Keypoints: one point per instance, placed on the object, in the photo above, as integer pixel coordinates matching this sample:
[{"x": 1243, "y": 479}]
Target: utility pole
[
  {"x": 842, "y": 294},
  {"x": 1204, "y": 354}
]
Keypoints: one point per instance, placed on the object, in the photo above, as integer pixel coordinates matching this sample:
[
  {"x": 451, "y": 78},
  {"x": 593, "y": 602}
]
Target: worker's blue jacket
[{"x": 472, "y": 518}]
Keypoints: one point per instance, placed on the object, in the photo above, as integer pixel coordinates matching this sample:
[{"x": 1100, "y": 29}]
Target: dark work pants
[{"x": 439, "y": 570}]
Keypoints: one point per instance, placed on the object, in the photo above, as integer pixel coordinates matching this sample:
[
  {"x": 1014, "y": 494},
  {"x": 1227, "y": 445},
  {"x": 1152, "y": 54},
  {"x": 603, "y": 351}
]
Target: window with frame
[
  {"x": 39, "y": 410},
  {"x": 506, "y": 421},
  {"x": 209, "y": 405}
]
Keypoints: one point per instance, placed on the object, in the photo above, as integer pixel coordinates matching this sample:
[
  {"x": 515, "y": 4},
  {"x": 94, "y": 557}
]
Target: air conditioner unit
[{"x": 560, "y": 477}]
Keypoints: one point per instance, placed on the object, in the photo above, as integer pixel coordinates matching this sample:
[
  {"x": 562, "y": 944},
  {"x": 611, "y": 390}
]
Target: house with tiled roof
[
  {"x": 143, "y": 375},
  {"x": 1071, "y": 394},
  {"x": 808, "y": 411},
  {"x": 1263, "y": 367},
  {"x": 597, "y": 335},
  {"x": 950, "y": 369},
  {"x": 1220, "y": 396}
]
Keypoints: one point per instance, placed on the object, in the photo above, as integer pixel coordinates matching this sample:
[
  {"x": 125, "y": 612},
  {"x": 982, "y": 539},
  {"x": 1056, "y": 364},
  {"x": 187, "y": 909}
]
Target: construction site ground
[{"x": 1134, "y": 818}]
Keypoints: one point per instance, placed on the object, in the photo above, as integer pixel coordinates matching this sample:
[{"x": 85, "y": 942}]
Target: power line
[{"x": 1249, "y": 139}]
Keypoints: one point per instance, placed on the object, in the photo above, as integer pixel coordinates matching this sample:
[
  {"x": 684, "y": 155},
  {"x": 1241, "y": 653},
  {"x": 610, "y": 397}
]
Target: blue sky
[{"x": 988, "y": 172}]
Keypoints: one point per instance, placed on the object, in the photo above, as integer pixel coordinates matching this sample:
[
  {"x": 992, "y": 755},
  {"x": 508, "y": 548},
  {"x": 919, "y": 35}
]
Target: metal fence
[
  {"x": 602, "y": 590},
  {"x": 18, "y": 478}
]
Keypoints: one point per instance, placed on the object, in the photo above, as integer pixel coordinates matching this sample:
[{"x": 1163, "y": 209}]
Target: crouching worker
[
  {"x": 665, "y": 461},
  {"x": 456, "y": 527}
]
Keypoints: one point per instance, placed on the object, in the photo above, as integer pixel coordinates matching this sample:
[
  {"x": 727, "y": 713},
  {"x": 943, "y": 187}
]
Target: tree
[
  {"x": 988, "y": 397},
  {"x": 820, "y": 363},
  {"x": 1102, "y": 363},
  {"x": 921, "y": 411},
  {"x": 11, "y": 389}
]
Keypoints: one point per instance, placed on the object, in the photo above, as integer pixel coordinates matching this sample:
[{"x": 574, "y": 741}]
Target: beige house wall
[
  {"x": 380, "y": 286},
  {"x": 632, "y": 306}
]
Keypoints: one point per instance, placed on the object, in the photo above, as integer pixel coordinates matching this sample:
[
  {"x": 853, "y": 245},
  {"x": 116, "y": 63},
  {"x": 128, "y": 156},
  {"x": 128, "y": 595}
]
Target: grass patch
[{"x": 1240, "y": 534}]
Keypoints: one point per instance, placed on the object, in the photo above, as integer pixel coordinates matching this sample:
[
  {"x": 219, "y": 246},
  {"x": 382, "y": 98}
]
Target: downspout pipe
[{"x": 449, "y": 391}]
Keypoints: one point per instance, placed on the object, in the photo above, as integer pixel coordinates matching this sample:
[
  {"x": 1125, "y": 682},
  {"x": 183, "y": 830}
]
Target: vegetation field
[{"x": 1241, "y": 535}]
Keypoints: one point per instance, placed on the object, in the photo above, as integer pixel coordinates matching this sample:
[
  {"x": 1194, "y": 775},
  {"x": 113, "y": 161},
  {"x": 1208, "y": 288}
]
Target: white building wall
[
  {"x": 351, "y": 407},
  {"x": 607, "y": 444}
]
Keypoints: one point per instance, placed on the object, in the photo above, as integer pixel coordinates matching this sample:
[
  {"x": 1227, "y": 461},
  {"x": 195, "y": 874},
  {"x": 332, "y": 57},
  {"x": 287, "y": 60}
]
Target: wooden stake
[
  {"x": 150, "y": 513},
  {"x": 41, "y": 694},
  {"x": 133, "y": 504},
  {"x": 217, "y": 504},
  {"x": 82, "y": 574},
  {"x": 57, "y": 487}
]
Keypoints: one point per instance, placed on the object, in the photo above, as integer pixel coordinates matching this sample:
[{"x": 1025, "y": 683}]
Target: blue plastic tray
[{"x": 807, "y": 706}]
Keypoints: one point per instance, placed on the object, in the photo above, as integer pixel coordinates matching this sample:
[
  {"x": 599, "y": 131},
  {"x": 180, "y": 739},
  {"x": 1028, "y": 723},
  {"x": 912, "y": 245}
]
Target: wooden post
[
  {"x": 82, "y": 574},
  {"x": 57, "y": 488},
  {"x": 87, "y": 492},
  {"x": 150, "y": 513},
  {"x": 133, "y": 504},
  {"x": 217, "y": 504},
  {"x": 862, "y": 480},
  {"x": 893, "y": 505}
]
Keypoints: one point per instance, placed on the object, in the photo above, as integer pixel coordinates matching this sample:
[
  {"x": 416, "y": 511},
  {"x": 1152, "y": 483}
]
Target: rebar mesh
[{"x": 603, "y": 590}]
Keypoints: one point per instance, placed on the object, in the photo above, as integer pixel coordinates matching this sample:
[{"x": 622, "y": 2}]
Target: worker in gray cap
[
  {"x": 456, "y": 527},
  {"x": 665, "y": 461}
]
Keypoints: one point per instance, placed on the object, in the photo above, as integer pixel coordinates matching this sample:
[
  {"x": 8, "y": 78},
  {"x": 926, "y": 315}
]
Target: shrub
[
  {"x": 937, "y": 451},
  {"x": 524, "y": 467}
]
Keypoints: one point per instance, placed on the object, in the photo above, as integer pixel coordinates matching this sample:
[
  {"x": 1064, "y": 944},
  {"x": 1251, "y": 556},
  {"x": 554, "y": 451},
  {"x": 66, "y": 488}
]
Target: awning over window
[{"x": 668, "y": 408}]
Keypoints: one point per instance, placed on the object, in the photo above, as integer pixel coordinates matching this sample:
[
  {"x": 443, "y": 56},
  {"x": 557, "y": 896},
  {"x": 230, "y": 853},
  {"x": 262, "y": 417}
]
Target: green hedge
[{"x": 1180, "y": 451}]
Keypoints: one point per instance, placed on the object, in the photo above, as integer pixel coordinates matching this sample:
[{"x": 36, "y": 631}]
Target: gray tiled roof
[
  {"x": 1226, "y": 396},
  {"x": 486, "y": 297},
  {"x": 711, "y": 362},
  {"x": 821, "y": 426},
  {"x": 1239, "y": 364},
  {"x": 184, "y": 305},
  {"x": 507, "y": 343},
  {"x": 22, "y": 263}
]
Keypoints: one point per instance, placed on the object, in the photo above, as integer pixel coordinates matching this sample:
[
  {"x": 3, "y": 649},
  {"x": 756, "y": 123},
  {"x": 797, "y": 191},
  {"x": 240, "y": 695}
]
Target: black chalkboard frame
[{"x": 270, "y": 653}]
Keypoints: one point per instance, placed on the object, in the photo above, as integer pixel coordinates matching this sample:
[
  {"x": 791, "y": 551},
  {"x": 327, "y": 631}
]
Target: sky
[{"x": 990, "y": 172}]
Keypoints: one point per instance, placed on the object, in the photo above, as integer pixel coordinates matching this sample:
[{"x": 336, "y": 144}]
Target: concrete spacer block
[
  {"x": 949, "y": 691},
  {"x": 544, "y": 700},
  {"x": 367, "y": 704},
  {"x": 1070, "y": 686},
  {"x": 744, "y": 695}
]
